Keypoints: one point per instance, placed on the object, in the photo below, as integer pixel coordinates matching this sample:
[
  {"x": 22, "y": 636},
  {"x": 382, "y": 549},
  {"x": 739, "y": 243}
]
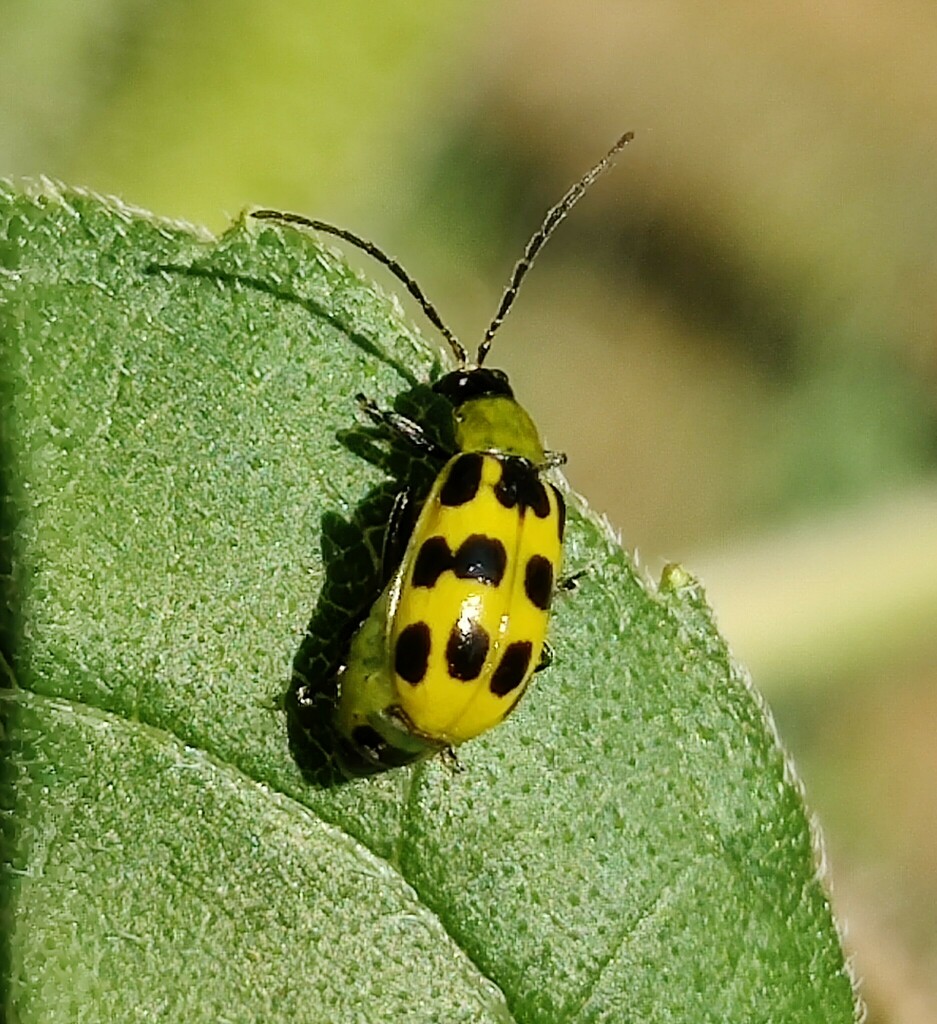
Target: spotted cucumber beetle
[{"x": 450, "y": 645}]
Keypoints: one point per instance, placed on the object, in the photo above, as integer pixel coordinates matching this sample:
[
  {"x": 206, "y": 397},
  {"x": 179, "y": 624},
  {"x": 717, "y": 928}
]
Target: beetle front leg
[{"x": 402, "y": 426}]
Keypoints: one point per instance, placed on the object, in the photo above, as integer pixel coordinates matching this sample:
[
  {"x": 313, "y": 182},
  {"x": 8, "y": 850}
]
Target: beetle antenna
[
  {"x": 388, "y": 261},
  {"x": 554, "y": 216}
]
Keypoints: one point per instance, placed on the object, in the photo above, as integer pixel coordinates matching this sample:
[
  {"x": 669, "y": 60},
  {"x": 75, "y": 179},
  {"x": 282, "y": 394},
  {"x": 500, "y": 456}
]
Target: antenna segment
[
  {"x": 552, "y": 220},
  {"x": 554, "y": 217},
  {"x": 392, "y": 265}
]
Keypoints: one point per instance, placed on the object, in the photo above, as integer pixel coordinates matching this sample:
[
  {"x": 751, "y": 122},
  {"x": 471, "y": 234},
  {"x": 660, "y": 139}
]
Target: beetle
[{"x": 449, "y": 647}]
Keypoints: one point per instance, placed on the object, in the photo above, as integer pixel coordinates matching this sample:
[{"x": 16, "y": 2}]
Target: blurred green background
[{"x": 733, "y": 337}]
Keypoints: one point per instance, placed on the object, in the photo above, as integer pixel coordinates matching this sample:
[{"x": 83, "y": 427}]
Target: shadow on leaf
[
  {"x": 358, "y": 565},
  {"x": 285, "y": 294}
]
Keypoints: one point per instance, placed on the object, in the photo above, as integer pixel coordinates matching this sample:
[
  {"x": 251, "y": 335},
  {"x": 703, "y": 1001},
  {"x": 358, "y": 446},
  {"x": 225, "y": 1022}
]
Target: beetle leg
[
  {"x": 553, "y": 459},
  {"x": 546, "y": 658},
  {"x": 450, "y": 758},
  {"x": 571, "y": 582},
  {"x": 408, "y": 429},
  {"x": 403, "y": 516}
]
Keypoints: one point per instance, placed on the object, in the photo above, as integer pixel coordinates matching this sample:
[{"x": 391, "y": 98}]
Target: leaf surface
[{"x": 186, "y": 493}]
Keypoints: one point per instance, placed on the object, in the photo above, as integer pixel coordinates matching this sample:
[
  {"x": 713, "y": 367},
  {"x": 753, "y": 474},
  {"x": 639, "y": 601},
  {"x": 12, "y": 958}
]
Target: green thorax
[{"x": 496, "y": 423}]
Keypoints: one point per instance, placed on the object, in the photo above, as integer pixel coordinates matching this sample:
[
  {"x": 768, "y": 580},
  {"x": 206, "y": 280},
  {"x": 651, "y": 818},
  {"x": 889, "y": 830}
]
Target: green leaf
[{"x": 186, "y": 491}]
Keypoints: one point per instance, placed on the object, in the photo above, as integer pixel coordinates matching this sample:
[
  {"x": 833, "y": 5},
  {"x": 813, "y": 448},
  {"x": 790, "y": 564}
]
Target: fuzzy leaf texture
[{"x": 192, "y": 514}]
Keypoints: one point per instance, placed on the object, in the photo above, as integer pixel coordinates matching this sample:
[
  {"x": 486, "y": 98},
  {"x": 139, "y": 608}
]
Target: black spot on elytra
[
  {"x": 466, "y": 651},
  {"x": 512, "y": 669},
  {"x": 520, "y": 486},
  {"x": 538, "y": 581},
  {"x": 560, "y": 514},
  {"x": 411, "y": 656},
  {"x": 477, "y": 558},
  {"x": 481, "y": 558},
  {"x": 433, "y": 559},
  {"x": 463, "y": 480}
]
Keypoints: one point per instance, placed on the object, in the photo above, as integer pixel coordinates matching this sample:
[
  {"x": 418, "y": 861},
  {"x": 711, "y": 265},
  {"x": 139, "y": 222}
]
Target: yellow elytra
[
  {"x": 488, "y": 544},
  {"x": 449, "y": 647}
]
